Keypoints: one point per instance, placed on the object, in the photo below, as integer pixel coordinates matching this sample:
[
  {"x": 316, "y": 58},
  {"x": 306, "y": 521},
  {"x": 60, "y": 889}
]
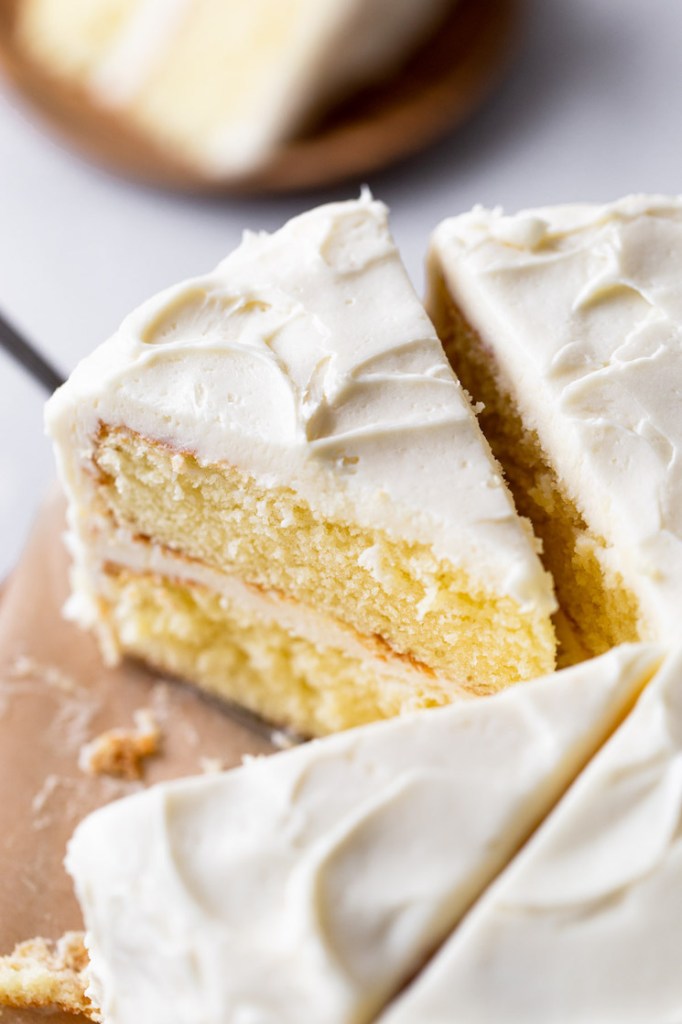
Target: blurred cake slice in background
[
  {"x": 310, "y": 886},
  {"x": 279, "y": 491},
  {"x": 566, "y": 323},
  {"x": 218, "y": 84}
]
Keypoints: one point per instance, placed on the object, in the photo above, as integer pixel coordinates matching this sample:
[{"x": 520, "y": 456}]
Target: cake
[
  {"x": 219, "y": 84},
  {"x": 48, "y": 976},
  {"x": 566, "y": 324},
  {"x": 586, "y": 924},
  {"x": 310, "y": 885},
  {"x": 279, "y": 492}
]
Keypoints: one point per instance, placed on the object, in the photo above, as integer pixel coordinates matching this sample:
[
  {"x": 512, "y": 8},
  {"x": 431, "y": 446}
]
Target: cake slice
[
  {"x": 566, "y": 322},
  {"x": 279, "y": 491},
  {"x": 217, "y": 84},
  {"x": 311, "y": 885},
  {"x": 586, "y": 924}
]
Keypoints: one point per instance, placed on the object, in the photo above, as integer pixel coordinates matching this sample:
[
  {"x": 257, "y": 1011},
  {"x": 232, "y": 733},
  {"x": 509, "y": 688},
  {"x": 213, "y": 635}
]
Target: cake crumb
[
  {"x": 44, "y": 975},
  {"x": 121, "y": 752}
]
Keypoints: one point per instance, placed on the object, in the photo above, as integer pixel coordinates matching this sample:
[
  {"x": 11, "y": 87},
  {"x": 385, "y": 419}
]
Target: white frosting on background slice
[
  {"x": 582, "y": 306},
  {"x": 310, "y": 885},
  {"x": 586, "y": 925},
  {"x": 307, "y": 360}
]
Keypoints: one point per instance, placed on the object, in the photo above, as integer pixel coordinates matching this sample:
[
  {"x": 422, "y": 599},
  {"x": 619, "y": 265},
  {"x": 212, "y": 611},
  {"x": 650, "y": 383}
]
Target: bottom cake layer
[{"x": 295, "y": 668}]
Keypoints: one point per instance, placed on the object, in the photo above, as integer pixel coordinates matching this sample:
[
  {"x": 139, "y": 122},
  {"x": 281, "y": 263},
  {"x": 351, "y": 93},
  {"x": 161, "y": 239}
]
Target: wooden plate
[{"x": 436, "y": 90}]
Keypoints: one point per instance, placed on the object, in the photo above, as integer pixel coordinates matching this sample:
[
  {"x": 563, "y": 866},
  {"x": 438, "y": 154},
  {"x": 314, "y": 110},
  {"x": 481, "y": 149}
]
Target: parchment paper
[{"x": 55, "y": 695}]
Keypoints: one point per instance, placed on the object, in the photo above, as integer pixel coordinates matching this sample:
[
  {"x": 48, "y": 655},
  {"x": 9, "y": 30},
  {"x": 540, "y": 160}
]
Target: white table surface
[{"x": 590, "y": 111}]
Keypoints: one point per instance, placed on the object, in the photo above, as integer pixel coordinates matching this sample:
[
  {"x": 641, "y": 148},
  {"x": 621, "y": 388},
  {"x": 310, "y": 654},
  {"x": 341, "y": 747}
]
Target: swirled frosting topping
[
  {"x": 587, "y": 923},
  {"x": 310, "y": 885},
  {"x": 583, "y": 308},
  {"x": 306, "y": 359}
]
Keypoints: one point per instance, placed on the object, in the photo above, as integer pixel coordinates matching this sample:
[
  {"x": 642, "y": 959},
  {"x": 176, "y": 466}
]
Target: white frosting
[
  {"x": 310, "y": 885},
  {"x": 306, "y": 359},
  {"x": 586, "y": 925},
  {"x": 582, "y": 306}
]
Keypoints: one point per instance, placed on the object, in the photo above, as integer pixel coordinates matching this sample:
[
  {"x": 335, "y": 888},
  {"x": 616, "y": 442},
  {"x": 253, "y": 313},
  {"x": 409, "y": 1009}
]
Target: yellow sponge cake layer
[
  {"x": 421, "y": 607},
  {"x": 193, "y": 632}
]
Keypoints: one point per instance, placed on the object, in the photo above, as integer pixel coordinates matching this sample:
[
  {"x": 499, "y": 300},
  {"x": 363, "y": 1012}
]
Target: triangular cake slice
[
  {"x": 311, "y": 885},
  {"x": 218, "y": 84},
  {"x": 566, "y": 323},
  {"x": 279, "y": 491},
  {"x": 586, "y": 924}
]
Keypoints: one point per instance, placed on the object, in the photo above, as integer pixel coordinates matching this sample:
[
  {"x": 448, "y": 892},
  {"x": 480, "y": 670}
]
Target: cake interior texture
[
  {"x": 421, "y": 630},
  {"x": 598, "y": 610}
]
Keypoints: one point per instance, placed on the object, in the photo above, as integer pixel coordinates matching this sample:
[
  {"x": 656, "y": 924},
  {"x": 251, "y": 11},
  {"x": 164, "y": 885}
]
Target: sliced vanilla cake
[
  {"x": 310, "y": 886},
  {"x": 566, "y": 323},
  {"x": 586, "y": 924},
  {"x": 278, "y": 490},
  {"x": 219, "y": 83}
]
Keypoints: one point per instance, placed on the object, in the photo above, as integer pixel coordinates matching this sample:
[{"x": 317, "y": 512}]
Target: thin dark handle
[{"x": 28, "y": 357}]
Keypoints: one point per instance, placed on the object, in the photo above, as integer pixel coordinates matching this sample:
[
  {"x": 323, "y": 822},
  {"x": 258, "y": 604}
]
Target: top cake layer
[
  {"x": 307, "y": 360},
  {"x": 583, "y": 307}
]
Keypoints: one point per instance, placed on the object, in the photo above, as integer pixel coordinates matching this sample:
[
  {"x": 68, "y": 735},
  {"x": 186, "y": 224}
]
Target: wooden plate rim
[{"x": 435, "y": 91}]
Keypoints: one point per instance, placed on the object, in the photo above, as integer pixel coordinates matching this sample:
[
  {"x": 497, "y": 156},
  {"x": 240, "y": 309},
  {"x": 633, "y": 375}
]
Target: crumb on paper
[
  {"x": 121, "y": 752},
  {"x": 40, "y": 974}
]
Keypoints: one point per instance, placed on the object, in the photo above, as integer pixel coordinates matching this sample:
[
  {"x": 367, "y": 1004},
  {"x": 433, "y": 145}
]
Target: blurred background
[{"x": 588, "y": 110}]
